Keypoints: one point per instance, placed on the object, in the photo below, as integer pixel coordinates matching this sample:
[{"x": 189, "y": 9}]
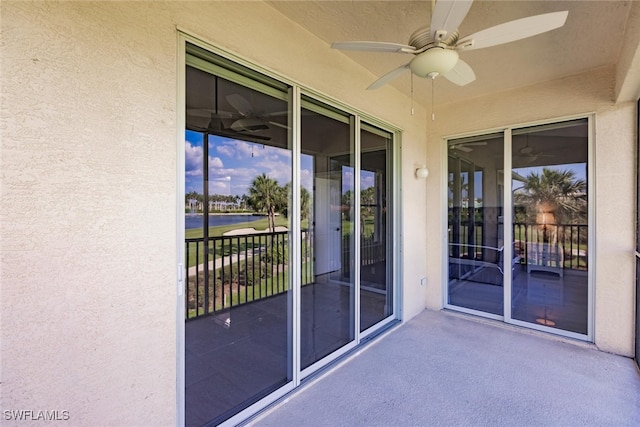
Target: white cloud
[
  {"x": 367, "y": 180},
  {"x": 240, "y": 150},
  {"x": 225, "y": 150},
  {"x": 220, "y": 187},
  {"x": 278, "y": 169},
  {"x": 306, "y": 179},
  {"x": 245, "y": 150},
  {"x": 238, "y": 179},
  {"x": 215, "y": 162},
  {"x": 193, "y": 159}
]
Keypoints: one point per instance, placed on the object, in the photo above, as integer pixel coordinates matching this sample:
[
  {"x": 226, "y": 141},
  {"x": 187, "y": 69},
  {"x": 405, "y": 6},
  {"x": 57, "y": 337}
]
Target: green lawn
[
  {"x": 260, "y": 224},
  {"x": 217, "y": 231}
]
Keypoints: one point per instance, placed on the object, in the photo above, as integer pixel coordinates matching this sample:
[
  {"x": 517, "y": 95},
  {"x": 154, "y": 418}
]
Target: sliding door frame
[
  {"x": 508, "y": 230},
  {"x": 445, "y": 234},
  {"x": 637, "y": 251},
  {"x": 295, "y": 97}
]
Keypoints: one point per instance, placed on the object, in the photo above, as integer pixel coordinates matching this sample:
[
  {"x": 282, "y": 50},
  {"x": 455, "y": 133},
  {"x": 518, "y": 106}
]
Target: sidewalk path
[{"x": 219, "y": 262}]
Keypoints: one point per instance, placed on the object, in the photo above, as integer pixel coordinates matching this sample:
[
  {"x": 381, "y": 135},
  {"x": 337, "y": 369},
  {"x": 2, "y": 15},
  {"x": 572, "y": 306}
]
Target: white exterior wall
[
  {"x": 89, "y": 194},
  {"x": 614, "y": 191}
]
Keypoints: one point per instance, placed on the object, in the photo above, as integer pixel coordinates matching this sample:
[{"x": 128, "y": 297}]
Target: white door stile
[{"x": 508, "y": 227}]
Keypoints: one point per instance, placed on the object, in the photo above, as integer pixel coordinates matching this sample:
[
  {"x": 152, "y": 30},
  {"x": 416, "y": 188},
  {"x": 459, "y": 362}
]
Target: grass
[
  {"x": 248, "y": 288},
  {"x": 219, "y": 230}
]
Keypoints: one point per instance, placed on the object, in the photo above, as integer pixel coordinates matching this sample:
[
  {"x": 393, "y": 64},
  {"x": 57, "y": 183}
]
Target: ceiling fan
[
  {"x": 435, "y": 47},
  {"x": 244, "y": 120},
  {"x": 530, "y": 154},
  {"x": 206, "y": 120},
  {"x": 467, "y": 147},
  {"x": 249, "y": 121}
]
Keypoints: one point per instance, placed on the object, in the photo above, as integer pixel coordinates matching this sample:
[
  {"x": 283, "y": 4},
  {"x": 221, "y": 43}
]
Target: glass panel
[
  {"x": 238, "y": 299},
  {"x": 475, "y": 224},
  {"x": 327, "y": 174},
  {"x": 550, "y": 229},
  {"x": 638, "y": 235},
  {"x": 376, "y": 284}
]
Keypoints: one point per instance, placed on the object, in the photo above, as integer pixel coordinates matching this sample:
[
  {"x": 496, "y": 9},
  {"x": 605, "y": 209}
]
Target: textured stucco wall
[
  {"x": 615, "y": 227},
  {"x": 88, "y": 198},
  {"x": 88, "y": 212},
  {"x": 614, "y": 184}
]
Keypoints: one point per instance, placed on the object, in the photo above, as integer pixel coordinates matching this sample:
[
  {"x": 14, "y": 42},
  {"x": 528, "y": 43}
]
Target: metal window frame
[
  {"x": 268, "y": 82},
  {"x": 508, "y": 131}
]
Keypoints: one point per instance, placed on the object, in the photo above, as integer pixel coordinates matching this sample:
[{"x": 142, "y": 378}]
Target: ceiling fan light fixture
[{"x": 436, "y": 60}]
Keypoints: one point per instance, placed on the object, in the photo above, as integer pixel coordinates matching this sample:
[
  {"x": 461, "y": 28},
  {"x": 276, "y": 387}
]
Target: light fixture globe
[
  {"x": 422, "y": 172},
  {"x": 435, "y": 60}
]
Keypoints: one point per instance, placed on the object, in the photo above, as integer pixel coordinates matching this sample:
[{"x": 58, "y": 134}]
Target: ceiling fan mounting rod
[{"x": 421, "y": 39}]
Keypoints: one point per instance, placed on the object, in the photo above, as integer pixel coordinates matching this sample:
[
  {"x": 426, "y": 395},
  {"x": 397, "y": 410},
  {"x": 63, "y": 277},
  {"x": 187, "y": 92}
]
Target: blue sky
[
  {"x": 579, "y": 169},
  {"x": 233, "y": 164}
]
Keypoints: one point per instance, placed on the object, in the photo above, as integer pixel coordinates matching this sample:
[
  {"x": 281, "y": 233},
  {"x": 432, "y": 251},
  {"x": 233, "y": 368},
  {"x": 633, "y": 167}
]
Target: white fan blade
[
  {"x": 280, "y": 125},
  {"x": 209, "y": 112},
  {"x": 448, "y": 15},
  {"x": 249, "y": 125},
  {"x": 239, "y": 103},
  {"x": 374, "y": 46},
  {"x": 514, "y": 30},
  {"x": 388, "y": 77},
  {"x": 461, "y": 74},
  {"x": 462, "y": 148}
]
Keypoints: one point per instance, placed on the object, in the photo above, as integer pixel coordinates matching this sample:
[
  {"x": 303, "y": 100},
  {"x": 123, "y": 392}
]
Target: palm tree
[
  {"x": 244, "y": 200},
  {"x": 265, "y": 195},
  {"x": 553, "y": 197},
  {"x": 305, "y": 203}
]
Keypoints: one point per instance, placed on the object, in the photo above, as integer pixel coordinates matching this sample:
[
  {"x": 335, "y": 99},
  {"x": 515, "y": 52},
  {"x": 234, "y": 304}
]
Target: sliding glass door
[
  {"x": 238, "y": 316},
  {"x": 637, "y": 347},
  {"x": 328, "y": 286},
  {"x": 551, "y": 226},
  {"x": 475, "y": 224},
  {"x": 288, "y": 238},
  {"x": 518, "y": 227},
  {"x": 376, "y": 254}
]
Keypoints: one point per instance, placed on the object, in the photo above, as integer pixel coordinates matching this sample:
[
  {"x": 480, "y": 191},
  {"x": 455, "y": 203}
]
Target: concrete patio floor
[{"x": 447, "y": 369}]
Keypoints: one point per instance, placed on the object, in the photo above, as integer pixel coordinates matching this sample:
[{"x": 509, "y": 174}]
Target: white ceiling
[{"x": 591, "y": 38}]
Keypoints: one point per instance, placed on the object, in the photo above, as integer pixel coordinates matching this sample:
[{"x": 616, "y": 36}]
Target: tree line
[{"x": 265, "y": 196}]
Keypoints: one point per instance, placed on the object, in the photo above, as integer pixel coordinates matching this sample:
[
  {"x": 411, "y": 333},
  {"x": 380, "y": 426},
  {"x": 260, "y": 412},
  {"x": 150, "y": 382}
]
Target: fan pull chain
[
  {"x": 433, "y": 112},
  {"x": 412, "y": 94}
]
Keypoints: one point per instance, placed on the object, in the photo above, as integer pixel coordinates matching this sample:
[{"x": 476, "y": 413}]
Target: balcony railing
[
  {"x": 238, "y": 270},
  {"x": 247, "y": 268},
  {"x": 573, "y": 238}
]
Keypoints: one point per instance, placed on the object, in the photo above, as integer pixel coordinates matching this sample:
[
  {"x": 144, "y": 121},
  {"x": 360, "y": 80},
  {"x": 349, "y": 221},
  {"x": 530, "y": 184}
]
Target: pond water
[{"x": 195, "y": 220}]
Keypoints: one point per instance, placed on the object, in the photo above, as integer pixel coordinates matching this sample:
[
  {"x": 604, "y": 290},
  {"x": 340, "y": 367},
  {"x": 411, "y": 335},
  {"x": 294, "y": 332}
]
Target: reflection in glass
[
  {"x": 237, "y": 292},
  {"x": 327, "y": 293},
  {"x": 475, "y": 226},
  {"x": 550, "y": 215},
  {"x": 376, "y": 285}
]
